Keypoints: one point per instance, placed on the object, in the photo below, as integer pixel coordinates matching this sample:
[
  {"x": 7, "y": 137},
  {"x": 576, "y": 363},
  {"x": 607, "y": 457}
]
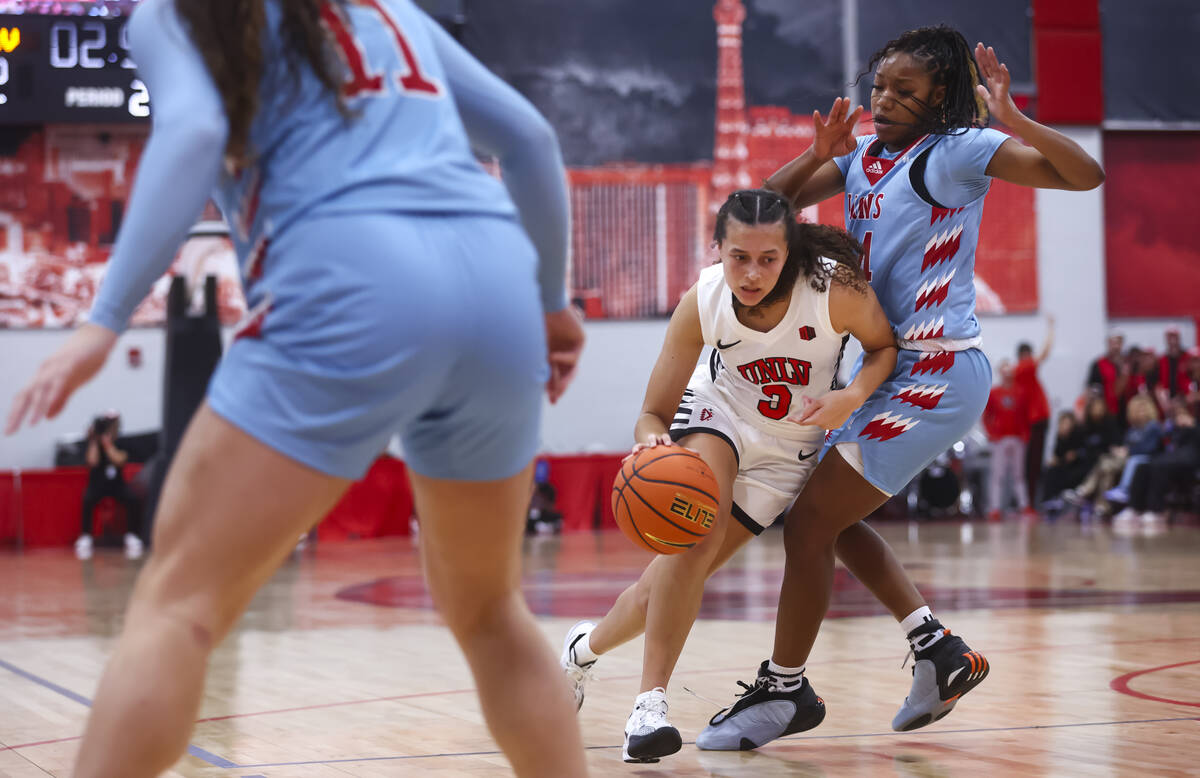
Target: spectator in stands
[
  {"x": 1143, "y": 377},
  {"x": 1100, "y": 431},
  {"x": 1142, "y": 439},
  {"x": 1006, "y": 421},
  {"x": 1032, "y": 398},
  {"x": 1177, "y": 464},
  {"x": 1193, "y": 396},
  {"x": 1173, "y": 377},
  {"x": 1066, "y": 466},
  {"x": 106, "y": 479},
  {"x": 1106, "y": 376}
]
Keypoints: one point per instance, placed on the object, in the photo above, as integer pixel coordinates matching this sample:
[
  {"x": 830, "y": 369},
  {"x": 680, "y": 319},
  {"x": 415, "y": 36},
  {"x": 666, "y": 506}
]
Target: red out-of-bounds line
[
  {"x": 1121, "y": 684},
  {"x": 268, "y": 713}
]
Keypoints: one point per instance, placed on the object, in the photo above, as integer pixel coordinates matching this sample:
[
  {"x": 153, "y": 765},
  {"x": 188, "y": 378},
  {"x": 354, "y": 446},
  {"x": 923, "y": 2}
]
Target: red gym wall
[{"x": 1153, "y": 258}]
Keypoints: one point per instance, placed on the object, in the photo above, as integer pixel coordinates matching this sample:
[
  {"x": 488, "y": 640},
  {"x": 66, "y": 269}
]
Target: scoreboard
[{"x": 68, "y": 69}]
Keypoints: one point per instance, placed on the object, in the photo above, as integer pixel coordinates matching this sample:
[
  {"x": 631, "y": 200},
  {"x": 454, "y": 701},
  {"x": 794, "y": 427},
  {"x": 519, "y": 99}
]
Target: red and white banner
[{"x": 62, "y": 196}]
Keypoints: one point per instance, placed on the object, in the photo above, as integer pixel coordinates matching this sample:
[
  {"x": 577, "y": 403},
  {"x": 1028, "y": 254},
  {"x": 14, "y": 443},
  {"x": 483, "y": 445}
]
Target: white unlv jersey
[{"x": 763, "y": 375}]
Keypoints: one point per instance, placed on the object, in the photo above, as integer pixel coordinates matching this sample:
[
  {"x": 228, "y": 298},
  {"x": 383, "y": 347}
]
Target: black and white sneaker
[
  {"x": 763, "y": 712},
  {"x": 943, "y": 672},
  {"x": 649, "y": 736},
  {"x": 578, "y": 674}
]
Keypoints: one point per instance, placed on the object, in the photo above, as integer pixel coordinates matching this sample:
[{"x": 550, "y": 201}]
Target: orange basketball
[{"x": 665, "y": 499}]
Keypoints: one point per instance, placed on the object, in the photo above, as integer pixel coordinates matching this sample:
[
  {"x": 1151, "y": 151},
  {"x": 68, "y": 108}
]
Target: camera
[{"x": 102, "y": 425}]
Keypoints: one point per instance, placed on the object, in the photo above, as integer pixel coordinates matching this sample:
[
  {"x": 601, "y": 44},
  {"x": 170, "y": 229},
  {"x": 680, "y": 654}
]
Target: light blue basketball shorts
[
  {"x": 928, "y": 403},
  {"x": 374, "y": 324}
]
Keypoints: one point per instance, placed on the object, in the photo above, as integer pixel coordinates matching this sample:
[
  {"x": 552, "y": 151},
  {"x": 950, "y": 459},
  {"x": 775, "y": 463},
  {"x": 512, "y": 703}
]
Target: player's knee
[
  {"x": 810, "y": 528},
  {"x": 204, "y": 612},
  {"x": 469, "y": 614}
]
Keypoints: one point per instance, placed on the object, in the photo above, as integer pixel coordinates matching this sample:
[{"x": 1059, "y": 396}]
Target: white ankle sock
[
  {"x": 916, "y": 619},
  {"x": 785, "y": 679},
  {"x": 583, "y": 651}
]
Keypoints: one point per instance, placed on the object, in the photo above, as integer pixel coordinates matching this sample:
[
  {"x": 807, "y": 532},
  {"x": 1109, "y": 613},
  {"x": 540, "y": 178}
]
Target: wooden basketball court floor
[{"x": 341, "y": 667}]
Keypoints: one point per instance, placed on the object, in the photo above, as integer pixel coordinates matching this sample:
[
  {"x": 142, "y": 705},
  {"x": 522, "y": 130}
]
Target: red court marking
[
  {"x": 269, "y": 712},
  {"x": 334, "y": 705},
  {"x": 1121, "y": 684},
  {"x": 1118, "y": 684},
  {"x": 40, "y": 743}
]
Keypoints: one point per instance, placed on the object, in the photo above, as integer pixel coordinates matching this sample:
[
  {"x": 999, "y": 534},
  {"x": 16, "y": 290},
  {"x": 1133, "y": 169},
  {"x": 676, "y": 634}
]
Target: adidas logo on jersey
[
  {"x": 705, "y": 414},
  {"x": 877, "y": 168}
]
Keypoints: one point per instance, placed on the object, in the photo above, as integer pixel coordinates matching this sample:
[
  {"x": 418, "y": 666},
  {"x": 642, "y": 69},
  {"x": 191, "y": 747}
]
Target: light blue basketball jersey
[
  {"x": 416, "y": 103},
  {"x": 405, "y": 149},
  {"x": 917, "y": 214}
]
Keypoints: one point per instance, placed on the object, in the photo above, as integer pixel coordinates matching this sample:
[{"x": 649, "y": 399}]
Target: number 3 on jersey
[
  {"x": 363, "y": 82},
  {"x": 779, "y": 403}
]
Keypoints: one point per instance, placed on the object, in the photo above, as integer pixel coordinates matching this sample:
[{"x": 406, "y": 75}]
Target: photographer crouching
[{"x": 106, "y": 479}]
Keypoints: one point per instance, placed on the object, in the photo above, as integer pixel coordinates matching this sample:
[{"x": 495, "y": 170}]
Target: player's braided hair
[
  {"x": 950, "y": 62},
  {"x": 229, "y": 33},
  {"x": 806, "y": 243}
]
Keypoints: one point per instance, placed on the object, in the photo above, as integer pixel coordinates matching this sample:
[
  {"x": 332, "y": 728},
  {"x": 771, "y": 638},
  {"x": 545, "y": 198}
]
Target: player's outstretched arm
[
  {"x": 500, "y": 122},
  {"x": 178, "y": 169},
  {"x": 175, "y": 177},
  {"x": 1051, "y": 160},
  {"x": 814, "y": 176},
  {"x": 681, "y": 349},
  {"x": 854, "y": 308}
]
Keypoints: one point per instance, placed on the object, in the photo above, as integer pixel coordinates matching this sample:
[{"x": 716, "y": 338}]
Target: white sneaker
[
  {"x": 134, "y": 548},
  {"x": 83, "y": 547},
  {"x": 578, "y": 673},
  {"x": 1126, "y": 516},
  {"x": 1153, "y": 524},
  {"x": 649, "y": 736}
]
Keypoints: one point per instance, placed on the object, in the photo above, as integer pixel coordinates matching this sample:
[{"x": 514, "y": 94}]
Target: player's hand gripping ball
[{"x": 665, "y": 499}]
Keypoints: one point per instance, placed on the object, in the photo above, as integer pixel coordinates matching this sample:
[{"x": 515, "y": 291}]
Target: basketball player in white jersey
[{"x": 777, "y": 311}]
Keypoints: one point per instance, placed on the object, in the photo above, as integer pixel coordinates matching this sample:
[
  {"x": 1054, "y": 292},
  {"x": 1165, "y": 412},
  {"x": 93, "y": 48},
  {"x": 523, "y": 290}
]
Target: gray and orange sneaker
[{"x": 945, "y": 669}]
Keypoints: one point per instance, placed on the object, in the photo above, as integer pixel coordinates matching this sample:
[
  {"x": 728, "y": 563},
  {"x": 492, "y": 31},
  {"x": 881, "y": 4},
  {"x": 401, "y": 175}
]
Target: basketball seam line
[
  {"x": 676, "y": 483},
  {"x": 662, "y": 516},
  {"x": 622, "y": 498},
  {"x": 637, "y": 471}
]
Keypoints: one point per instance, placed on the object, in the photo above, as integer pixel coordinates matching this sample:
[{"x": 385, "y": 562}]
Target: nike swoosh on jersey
[
  {"x": 802, "y": 456},
  {"x": 726, "y": 345}
]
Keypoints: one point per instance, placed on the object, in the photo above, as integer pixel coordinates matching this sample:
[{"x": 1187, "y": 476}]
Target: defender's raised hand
[
  {"x": 995, "y": 74},
  {"x": 834, "y": 136}
]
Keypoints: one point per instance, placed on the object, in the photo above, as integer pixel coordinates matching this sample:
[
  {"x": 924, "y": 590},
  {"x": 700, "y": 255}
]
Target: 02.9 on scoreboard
[{"x": 68, "y": 69}]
